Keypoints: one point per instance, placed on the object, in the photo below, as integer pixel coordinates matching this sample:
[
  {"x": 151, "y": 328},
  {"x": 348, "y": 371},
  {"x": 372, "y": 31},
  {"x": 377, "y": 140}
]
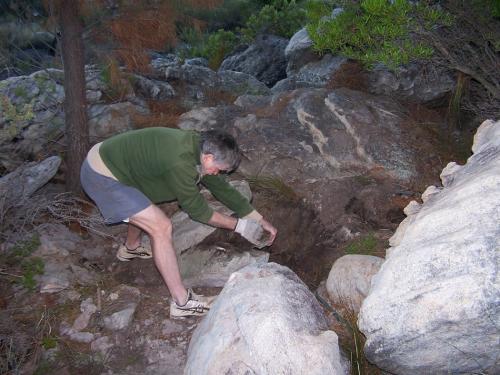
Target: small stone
[
  {"x": 101, "y": 345},
  {"x": 120, "y": 319}
]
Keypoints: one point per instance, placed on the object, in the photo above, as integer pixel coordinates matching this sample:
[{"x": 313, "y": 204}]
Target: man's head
[{"x": 219, "y": 152}]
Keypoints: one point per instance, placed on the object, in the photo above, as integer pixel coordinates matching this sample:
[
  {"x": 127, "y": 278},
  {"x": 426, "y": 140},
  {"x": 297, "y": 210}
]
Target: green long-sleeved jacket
[{"x": 162, "y": 163}]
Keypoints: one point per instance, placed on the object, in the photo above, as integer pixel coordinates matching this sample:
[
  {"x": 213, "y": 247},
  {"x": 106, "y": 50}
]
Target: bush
[
  {"x": 373, "y": 31},
  {"x": 214, "y": 47},
  {"x": 230, "y": 15},
  {"x": 281, "y": 17}
]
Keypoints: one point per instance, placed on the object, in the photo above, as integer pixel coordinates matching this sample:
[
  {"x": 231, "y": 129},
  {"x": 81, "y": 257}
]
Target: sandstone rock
[
  {"x": 106, "y": 120},
  {"x": 350, "y": 277},
  {"x": 265, "y": 321},
  {"x": 87, "y": 308},
  {"x": 320, "y": 142},
  {"x": 121, "y": 308},
  {"x": 101, "y": 345},
  {"x": 433, "y": 306},
  {"x": 298, "y": 52},
  {"x": 56, "y": 276},
  {"x": 152, "y": 89},
  {"x": 19, "y": 185},
  {"x": 264, "y": 59},
  {"x": 161, "y": 64},
  {"x": 120, "y": 319},
  {"x": 83, "y": 337},
  {"x": 56, "y": 240},
  {"x": 236, "y": 83},
  {"x": 211, "y": 266},
  {"x": 416, "y": 82}
]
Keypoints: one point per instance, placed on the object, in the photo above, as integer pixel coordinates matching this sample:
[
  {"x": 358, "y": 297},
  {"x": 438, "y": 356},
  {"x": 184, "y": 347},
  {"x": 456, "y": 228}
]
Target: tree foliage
[{"x": 372, "y": 31}]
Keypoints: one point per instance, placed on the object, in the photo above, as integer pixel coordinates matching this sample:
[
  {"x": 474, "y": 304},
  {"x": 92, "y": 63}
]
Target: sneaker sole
[
  {"x": 187, "y": 314},
  {"x": 128, "y": 256}
]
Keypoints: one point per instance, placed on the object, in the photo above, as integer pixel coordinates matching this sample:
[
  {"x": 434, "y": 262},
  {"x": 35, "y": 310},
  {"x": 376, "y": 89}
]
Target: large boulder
[
  {"x": 349, "y": 279},
  {"x": 265, "y": 321},
  {"x": 198, "y": 85},
  {"x": 317, "y": 141},
  {"x": 236, "y": 83},
  {"x": 16, "y": 187},
  {"x": 264, "y": 59},
  {"x": 417, "y": 82},
  {"x": 434, "y": 306},
  {"x": 313, "y": 74},
  {"x": 106, "y": 120},
  {"x": 298, "y": 51}
]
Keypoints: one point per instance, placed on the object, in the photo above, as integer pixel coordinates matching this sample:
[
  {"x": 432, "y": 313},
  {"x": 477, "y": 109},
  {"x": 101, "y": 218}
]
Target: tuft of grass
[
  {"x": 455, "y": 103},
  {"x": 49, "y": 342},
  {"x": 117, "y": 86},
  {"x": 31, "y": 267},
  {"x": 26, "y": 247},
  {"x": 19, "y": 259},
  {"x": 273, "y": 186},
  {"x": 351, "y": 339},
  {"x": 364, "y": 245}
]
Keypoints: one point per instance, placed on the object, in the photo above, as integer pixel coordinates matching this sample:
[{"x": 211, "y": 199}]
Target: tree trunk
[{"x": 75, "y": 107}]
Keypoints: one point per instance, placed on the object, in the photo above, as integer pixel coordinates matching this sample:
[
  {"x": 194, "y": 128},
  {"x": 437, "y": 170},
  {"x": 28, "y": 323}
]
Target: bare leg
[
  {"x": 159, "y": 228},
  {"x": 133, "y": 237}
]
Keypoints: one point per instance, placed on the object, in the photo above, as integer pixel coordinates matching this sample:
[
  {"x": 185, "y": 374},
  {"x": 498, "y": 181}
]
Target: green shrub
[
  {"x": 31, "y": 267},
  {"x": 219, "y": 44},
  {"x": 373, "y": 31},
  {"x": 281, "y": 17},
  {"x": 363, "y": 245},
  {"x": 24, "y": 248},
  {"x": 214, "y": 47}
]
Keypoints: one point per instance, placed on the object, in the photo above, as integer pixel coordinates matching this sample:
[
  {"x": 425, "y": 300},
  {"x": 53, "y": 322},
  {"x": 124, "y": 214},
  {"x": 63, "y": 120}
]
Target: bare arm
[{"x": 222, "y": 221}]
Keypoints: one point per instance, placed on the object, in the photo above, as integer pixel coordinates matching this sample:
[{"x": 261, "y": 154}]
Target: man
[{"x": 130, "y": 172}]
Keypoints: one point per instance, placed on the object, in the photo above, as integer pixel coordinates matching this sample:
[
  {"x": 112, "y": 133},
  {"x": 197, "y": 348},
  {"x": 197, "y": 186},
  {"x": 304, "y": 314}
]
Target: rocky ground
[{"x": 99, "y": 315}]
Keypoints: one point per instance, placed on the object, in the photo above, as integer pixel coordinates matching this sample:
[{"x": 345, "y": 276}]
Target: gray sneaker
[
  {"x": 196, "y": 305},
  {"x": 125, "y": 255}
]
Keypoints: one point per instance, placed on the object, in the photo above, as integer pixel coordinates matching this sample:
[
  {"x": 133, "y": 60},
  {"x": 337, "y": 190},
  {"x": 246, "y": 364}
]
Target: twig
[{"x": 9, "y": 274}]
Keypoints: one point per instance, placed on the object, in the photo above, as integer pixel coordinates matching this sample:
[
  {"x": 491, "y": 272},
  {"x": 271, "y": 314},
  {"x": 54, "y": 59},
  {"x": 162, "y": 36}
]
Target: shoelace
[
  {"x": 197, "y": 309},
  {"x": 140, "y": 253}
]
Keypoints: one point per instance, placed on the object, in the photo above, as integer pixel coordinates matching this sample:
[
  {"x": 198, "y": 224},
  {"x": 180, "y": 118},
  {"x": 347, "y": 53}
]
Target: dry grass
[
  {"x": 162, "y": 113},
  {"x": 139, "y": 29},
  {"x": 350, "y": 75},
  {"x": 42, "y": 209},
  {"x": 351, "y": 339},
  {"x": 275, "y": 109},
  {"x": 273, "y": 187}
]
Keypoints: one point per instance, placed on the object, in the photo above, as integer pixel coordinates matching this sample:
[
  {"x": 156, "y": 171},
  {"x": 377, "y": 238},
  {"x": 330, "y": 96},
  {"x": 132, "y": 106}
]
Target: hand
[
  {"x": 252, "y": 231},
  {"x": 268, "y": 227}
]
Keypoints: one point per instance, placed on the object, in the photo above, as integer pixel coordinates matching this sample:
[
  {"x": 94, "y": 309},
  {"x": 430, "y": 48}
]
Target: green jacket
[{"x": 162, "y": 163}]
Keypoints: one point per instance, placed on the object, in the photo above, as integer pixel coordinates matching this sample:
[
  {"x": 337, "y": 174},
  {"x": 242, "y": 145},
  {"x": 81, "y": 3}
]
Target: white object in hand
[{"x": 251, "y": 230}]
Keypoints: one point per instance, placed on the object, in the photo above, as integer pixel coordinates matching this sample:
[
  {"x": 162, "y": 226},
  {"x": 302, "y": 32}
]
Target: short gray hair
[{"x": 222, "y": 146}]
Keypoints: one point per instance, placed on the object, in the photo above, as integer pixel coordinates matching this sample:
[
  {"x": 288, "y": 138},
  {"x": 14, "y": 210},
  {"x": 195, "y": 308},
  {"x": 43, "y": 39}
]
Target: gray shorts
[{"x": 116, "y": 201}]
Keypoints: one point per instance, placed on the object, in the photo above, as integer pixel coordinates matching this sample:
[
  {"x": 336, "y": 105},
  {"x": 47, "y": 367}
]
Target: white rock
[
  {"x": 434, "y": 306},
  {"x": 349, "y": 279},
  {"x": 85, "y": 337},
  {"x": 87, "y": 308},
  {"x": 265, "y": 321},
  {"x": 120, "y": 319},
  {"x": 102, "y": 345}
]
